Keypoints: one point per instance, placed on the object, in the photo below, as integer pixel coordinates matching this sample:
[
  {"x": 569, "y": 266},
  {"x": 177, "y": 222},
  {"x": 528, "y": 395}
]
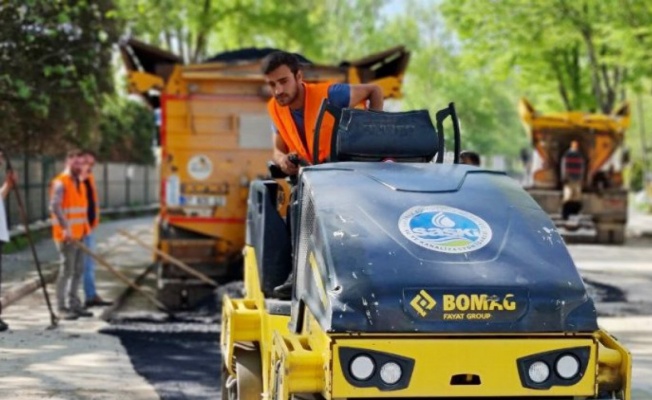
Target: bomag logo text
[{"x": 478, "y": 302}]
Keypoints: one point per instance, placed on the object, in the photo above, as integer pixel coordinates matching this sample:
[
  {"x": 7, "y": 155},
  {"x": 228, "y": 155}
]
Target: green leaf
[
  {"x": 22, "y": 90},
  {"x": 63, "y": 18}
]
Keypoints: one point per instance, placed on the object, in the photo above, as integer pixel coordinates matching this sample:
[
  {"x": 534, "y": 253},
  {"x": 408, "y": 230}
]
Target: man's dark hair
[
  {"x": 278, "y": 58},
  {"x": 88, "y": 152},
  {"x": 73, "y": 153},
  {"x": 472, "y": 157}
]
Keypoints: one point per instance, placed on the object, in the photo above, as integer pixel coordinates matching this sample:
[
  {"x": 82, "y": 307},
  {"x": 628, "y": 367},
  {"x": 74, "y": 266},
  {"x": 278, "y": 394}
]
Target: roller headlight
[
  {"x": 362, "y": 367},
  {"x": 390, "y": 373},
  {"x": 539, "y": 372},
  {"x": 567, "y": 366}
]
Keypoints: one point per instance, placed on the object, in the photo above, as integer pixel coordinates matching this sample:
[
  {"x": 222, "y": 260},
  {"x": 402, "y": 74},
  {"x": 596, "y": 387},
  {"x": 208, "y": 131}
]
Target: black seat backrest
[
  {"x": 377, "y": 135},
  {"x": 335, "y": 113},
  {"x": 268, "y": 234}
]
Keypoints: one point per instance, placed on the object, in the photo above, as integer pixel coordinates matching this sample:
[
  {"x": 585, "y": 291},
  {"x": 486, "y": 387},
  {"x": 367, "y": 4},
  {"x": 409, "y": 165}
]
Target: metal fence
[{"x": 118, "y": 185}]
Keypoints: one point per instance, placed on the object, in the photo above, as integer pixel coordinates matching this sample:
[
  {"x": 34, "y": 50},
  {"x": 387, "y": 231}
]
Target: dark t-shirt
[
  {"x": 91, "y": 202},
  {"x": 572, "y": 168},
  {"x": 339, "y": 95}
]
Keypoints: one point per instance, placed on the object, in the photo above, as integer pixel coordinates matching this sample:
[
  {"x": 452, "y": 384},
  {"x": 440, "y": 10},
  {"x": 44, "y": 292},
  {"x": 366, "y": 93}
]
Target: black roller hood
[{"x": 434, "y": 248}]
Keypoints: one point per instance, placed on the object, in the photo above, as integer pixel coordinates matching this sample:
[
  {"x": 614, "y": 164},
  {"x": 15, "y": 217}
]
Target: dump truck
[
  {"x": 602, "y": 217},
  {"x": 407, "y": 286},
  {"x": 215, "y": 138}
]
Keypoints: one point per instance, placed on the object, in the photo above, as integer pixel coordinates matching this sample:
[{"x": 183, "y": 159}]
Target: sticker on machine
[
  {"x": 444, "y": 229},
  {"x": 200, "y": 167}
]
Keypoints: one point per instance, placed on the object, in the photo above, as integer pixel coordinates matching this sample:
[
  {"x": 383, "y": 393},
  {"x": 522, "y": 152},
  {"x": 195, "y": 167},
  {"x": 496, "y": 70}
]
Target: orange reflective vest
[
  {"x": 91, "y": 179},
  {"x": 74, "y": 205},
  {"x": 282, "y": 118}
]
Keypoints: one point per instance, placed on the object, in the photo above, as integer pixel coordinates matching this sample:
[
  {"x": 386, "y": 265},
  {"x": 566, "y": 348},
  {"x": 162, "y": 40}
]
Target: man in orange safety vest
[{"x": 68, "y": 207}]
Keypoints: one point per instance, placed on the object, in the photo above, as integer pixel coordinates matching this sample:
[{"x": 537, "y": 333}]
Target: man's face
[
  {"x": 284, "y": 85},
  {"x": 75, "y": 164},
  {"x": 89, "y": 163}
]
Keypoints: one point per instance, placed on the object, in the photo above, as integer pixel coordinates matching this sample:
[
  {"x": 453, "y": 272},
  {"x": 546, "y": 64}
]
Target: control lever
[
  {"x": 277, "y": 173},
  {"x": 298, "y": 161}
]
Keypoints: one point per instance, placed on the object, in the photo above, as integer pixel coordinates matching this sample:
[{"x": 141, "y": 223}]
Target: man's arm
[
  {"x": 10, "y": 182},
  {"x": 367, "y": 91},
  {"x": 281, "y": 156},
  {"x": 55, "y": 207}
]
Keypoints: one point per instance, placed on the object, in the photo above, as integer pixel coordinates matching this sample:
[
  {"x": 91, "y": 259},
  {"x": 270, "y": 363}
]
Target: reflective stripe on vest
[
  {"x": 282, "y": 118},
  {"x": 74, "y": 205},
  {"x": 71, "y": 221},
  {"x": 74, "y": 210}
]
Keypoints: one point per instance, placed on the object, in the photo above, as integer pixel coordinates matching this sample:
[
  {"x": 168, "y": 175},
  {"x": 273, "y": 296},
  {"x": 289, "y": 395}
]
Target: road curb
[{"x": 18, "y": 291}]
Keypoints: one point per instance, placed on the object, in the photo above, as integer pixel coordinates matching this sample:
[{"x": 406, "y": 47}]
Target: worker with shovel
[
  {"x": 10, "y": 182},
  {"x": 69, "y": 207}
]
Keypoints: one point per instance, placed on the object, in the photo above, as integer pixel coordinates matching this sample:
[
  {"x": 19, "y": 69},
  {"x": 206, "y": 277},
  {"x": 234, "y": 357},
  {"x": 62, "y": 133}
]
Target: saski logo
[{"x": 445, "y": 229}]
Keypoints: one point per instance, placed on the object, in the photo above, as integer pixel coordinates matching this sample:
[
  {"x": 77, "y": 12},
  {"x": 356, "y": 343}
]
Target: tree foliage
[
  {"x": 194, "y": 29},
  {"x": 127, "y": 130},
  {"x": 579, "y": 54},
  {"x": 55, "y": 64},
  {"x": 438, "y": 75},
  {"x": 323, "y": 31},
  {"x": 55, "y": 70}
]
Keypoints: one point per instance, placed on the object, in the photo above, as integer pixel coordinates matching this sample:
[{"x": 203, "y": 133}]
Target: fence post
[
  {"x": 105, "y": 174},
  {"x": 128, "y": 186},
  {"x": 8, "y": 207},
  {"x": 44, "y": 197},
  {"x": 146, "y": 185},
  {"x": 26, "y": 185}
]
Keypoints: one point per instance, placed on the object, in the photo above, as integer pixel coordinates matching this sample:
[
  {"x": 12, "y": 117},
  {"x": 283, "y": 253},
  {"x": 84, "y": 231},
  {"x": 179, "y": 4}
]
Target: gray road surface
[
  {"x": 629, "y": 270},
  {"x": 73, "y": 361}
]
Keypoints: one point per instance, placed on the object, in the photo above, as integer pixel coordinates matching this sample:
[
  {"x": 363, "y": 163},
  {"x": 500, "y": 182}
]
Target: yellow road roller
[{"x": 413, "y": 278}]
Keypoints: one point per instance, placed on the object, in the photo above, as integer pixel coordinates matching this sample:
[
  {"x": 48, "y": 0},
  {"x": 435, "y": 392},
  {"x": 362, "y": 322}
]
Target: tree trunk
[
  {"x": 181, "y": 43},
  {"x": 204, "y": 28},
  {"x": 561, "y": 86},
  {"x": 168, "y": 40},
  {"x": 595, "y": 70}
]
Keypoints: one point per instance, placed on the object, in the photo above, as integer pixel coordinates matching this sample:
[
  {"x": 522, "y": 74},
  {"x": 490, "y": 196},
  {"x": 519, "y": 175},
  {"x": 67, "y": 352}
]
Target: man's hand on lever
[{"x": 289, "y": 163}]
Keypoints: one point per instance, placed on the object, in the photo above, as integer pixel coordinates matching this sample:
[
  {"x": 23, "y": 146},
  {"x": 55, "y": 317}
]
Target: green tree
[
  {"x": 195, "y": 29},
  {"x": 127, "y": 130},
  {"x": 438, "y": 75},
  {"x": 56, "y": 64},
  {"x": 571, "y": 48},
  {"x": 323, "y": 31}
]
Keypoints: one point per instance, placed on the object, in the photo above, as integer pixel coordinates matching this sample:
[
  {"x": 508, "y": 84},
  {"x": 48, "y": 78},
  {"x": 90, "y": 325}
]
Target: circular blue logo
[{"x": 444, "y": 229}]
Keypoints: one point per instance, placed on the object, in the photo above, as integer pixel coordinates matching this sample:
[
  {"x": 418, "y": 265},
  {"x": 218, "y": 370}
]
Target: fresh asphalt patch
[
  {"x": 604, "y": 293},
  {"x": 178, "y": 354},
  {"x": 612, "y": 301},
  {"x": 181, "y": 359},
  {"x": 177, "y": 365}
]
